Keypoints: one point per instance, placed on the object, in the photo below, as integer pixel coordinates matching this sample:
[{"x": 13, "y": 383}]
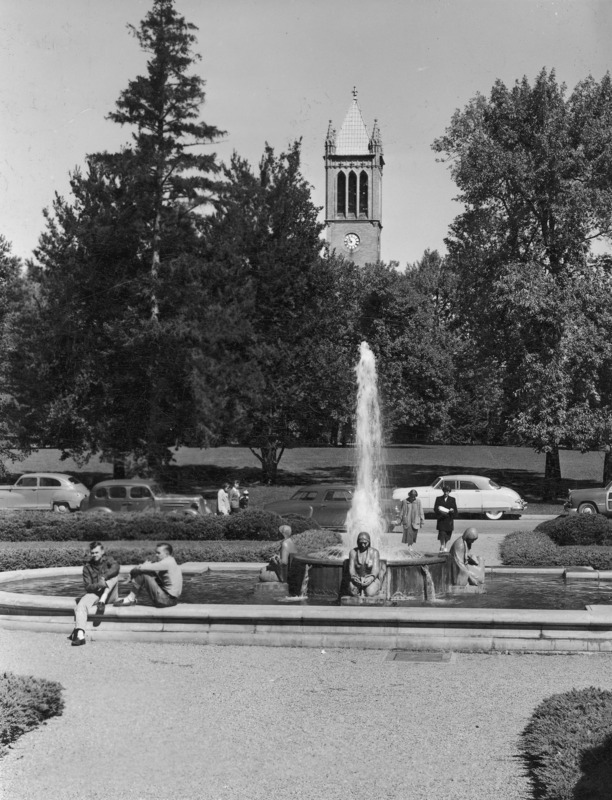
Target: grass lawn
[{"x": 408, "y": 465}]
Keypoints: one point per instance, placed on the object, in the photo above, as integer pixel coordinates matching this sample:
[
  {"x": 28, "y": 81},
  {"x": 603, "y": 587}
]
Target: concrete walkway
[{"x": 183, "y": 722}]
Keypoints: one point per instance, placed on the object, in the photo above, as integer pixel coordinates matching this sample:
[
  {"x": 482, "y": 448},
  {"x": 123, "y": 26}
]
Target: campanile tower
[{"x": 353, "y": 188}]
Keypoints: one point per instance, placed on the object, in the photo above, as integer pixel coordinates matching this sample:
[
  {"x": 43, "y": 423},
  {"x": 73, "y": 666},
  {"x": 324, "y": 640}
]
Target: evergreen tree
[
  {"x": 128, "y": 324},
  {"x": 267, "y": 236}
]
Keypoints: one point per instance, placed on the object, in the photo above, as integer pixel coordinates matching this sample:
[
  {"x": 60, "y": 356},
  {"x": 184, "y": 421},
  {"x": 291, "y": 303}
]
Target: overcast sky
[{"x": 277, "y": 70}]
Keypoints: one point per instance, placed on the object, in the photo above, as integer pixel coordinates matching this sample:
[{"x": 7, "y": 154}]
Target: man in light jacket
[{"x": 161, "y": 579}]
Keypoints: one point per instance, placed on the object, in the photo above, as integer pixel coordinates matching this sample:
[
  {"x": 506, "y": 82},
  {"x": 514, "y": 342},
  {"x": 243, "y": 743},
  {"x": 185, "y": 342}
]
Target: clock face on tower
[{"x": 351, "y": 241}]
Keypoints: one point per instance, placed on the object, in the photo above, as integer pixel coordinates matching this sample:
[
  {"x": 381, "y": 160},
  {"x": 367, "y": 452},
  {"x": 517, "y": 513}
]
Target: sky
[{"x": 277, "y": 70}]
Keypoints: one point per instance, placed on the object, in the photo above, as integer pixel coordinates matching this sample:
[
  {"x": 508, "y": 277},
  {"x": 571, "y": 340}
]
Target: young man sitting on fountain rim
[
  {"x": 161, "y": 579},
  {"x": 100, "y": 577}
]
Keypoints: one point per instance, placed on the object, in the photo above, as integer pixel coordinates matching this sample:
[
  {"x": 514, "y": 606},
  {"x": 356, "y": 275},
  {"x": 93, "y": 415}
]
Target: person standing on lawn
[
  {"x": 100, "y": 577},
  {"x": 411, "y": 517},
  {"x": 161, "y": 579},
  {"x": 223, "y": 503},
  {"x": 445, "y": 509},
  {"x": 234, "y": 498}
]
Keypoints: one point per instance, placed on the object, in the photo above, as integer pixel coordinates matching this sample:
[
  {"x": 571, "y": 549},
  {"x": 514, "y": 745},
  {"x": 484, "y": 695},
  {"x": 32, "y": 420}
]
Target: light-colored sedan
[
  {"x": 474, "y": 494},
  {"x": 53, "y": 491}
]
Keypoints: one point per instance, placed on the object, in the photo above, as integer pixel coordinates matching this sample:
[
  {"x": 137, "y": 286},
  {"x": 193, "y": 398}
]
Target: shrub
[
  {"x": 313, "y": 540},
  {"x": 71, "y": 555},
  {"x": 567, "y": 745},
  {"x": 578, "y": 529},
  {"x": 536, "y": 549},
  {"x": 26, "y": 702},
  {"x": 31, "y": 526},
  {"x": 253, "y": 523},
  {"x": 299, "y": 524}
]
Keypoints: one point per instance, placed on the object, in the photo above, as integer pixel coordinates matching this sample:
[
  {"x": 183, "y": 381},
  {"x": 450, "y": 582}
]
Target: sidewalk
[{"x": 185, "y": 722}]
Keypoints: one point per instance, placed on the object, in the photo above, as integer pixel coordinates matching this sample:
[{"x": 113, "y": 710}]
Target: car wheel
[
  {"x": 494, "y": 514},
  {"x": 63, "y": 508},
  {"x": 587, "y": 508}
]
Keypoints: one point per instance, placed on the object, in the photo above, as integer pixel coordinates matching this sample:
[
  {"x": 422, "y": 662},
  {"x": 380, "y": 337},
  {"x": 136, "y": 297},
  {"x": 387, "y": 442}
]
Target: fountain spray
[{"x": 366, "y": 512}]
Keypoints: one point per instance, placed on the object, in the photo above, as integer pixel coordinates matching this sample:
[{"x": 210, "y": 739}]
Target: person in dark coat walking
[{"x": 445, "y": 509}]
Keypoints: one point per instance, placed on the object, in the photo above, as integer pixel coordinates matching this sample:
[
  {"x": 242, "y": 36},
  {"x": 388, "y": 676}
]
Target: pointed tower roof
[{"x": 353, "y": 139}]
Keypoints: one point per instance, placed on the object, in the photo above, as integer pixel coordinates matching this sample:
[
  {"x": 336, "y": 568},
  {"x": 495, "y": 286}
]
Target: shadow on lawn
[{"x": 205, "y": 479}]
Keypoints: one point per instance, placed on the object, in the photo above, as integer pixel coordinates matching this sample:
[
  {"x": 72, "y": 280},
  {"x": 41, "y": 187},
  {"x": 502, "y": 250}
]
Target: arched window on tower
[
  {"x": 341, "y": 196},
  {"x": 352, "y": 193},
  {"x": 363, "y": 194}
]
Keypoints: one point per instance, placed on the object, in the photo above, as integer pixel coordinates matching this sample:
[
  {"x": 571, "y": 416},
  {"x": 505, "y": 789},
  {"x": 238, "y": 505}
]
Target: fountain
[{"x": 405, "y": 573}]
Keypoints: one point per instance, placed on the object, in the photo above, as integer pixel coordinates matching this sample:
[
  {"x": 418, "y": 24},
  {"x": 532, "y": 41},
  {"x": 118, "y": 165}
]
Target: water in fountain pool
[{"x": 237, "y": 587}]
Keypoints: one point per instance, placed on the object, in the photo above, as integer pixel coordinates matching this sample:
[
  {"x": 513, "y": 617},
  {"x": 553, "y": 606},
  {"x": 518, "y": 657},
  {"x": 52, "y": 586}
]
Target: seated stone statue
[
  {"x": 466, "y": 569},
  {"x": 364, "y": 568},
  {"x": 277, "y": 570}
]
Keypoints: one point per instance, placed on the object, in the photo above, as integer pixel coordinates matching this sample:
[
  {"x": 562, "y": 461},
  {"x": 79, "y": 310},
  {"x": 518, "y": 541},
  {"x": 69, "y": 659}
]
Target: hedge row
[
  {"x": 255, "y": 524},
  {"x": 578, "y": 529},
  {"x": 26, "y": 702},
  {"x": 537, "y": 549},
  {"x": 62, "y": 554},
  {"x": 567, "y": 746}
]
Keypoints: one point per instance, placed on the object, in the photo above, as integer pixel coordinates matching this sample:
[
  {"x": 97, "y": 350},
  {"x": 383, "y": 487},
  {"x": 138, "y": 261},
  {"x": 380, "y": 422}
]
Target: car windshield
[
  {"x": 156, "y": 489},
  {"x": 436, "y": 483},
  {"x": 73, "y": 480},
  {"x": 304, "y": 494},
  {"x": 494, "y": 485}
]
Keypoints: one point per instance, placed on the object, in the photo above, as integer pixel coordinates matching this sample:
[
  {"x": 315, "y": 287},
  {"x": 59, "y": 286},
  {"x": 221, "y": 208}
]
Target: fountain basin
[
  {"x": 404, "y": 628},
  {"x": 418, "y": 575}
]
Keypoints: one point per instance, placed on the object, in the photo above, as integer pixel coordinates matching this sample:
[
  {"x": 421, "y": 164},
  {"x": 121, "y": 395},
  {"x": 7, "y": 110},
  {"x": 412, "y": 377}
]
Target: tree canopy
[{"x": 534, "y": 169}]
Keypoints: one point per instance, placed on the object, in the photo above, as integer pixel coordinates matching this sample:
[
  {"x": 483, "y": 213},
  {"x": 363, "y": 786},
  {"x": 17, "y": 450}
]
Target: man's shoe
[
  {"x": 100, "y": 606},
  {"x": 78, "y": 642},
  {"x": 124, "y": 603},
  {"x": 72, "y": 635}
]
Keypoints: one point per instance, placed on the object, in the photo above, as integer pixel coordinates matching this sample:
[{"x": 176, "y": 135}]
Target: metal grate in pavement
[{"x": 417, "y": 656}]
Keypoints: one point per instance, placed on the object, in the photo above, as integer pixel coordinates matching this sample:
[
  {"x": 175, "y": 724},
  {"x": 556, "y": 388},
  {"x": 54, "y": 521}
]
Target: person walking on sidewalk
[
  {"x": 445, "y": 509},
  {"x": 411, "y": 518},
  {"x": 100, "y": 577}
]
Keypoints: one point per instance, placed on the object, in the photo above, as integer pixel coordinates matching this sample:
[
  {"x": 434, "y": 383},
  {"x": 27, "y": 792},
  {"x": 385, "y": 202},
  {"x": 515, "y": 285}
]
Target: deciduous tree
[{"x": 533, "y": 168}]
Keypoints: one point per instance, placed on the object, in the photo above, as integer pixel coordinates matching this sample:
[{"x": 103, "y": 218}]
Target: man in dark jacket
[
  {"x": 100, "y": 577},
  {"x": 445, "y": 509}
]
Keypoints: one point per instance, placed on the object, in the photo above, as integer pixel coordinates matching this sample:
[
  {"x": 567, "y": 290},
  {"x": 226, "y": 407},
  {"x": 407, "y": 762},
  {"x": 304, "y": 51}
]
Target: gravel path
[{"x": 187, "y": 722}]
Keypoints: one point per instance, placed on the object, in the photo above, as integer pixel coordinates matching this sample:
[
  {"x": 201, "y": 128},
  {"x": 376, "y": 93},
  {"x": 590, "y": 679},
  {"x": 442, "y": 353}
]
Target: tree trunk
[
  {"x": 607, "y": 466},
  {"x": 269, "y": 458},
  {"x": 119, "y": 468},
  {"x": 552, "y": 476}
]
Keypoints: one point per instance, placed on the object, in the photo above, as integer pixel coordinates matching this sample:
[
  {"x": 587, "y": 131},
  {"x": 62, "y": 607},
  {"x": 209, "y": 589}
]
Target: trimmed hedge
[
  {"x": 16, "y": 556},
  {"x": 300, "y": 524},
  {"x": 567, "y": 745},
  {"x": 72, "y": 555},
  {"x": 537, "y": 549},
  {"x": 26, "y": 702},
  {"x": 38, "y": 526},
  {"x": 578, "y": 529},
  {"x": 252, "y": 523}
]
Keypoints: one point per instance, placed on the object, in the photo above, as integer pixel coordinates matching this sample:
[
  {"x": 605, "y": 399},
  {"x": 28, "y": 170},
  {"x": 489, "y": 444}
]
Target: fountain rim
[{"x": 362, "y": 627}]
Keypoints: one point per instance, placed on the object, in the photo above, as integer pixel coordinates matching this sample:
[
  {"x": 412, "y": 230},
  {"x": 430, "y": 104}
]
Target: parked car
[
  {"x": 594, "y": 500},
  {"x": 142, "y": 495},
  {"x": 474, "y": 494},
  {"x": 327, "y": 504},
  {"x": 53, "y": 491}
]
